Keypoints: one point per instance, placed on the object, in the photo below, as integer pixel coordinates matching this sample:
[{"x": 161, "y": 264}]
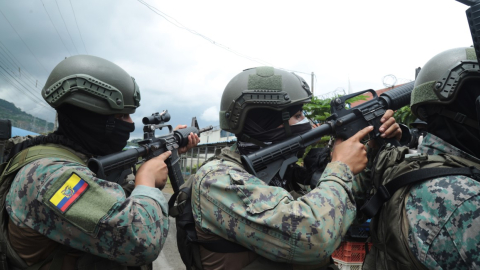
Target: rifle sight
[{"x": 157, "y": 118}]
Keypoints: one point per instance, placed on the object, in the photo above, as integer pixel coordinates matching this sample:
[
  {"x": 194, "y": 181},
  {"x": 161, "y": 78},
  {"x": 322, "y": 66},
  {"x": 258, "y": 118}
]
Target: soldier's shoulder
[{"x": 47, "y": 162}]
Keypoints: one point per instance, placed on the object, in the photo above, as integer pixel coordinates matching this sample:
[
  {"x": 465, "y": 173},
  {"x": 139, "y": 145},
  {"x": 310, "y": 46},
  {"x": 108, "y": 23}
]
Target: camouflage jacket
[
  {"x": 444, "y": 215},
  {"x": 64, "y": 201},
  {"x": 229, "y": 202}
]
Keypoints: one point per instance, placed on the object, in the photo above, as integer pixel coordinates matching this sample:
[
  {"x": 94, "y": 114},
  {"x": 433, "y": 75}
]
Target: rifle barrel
[{"x": 398, "y": 97}]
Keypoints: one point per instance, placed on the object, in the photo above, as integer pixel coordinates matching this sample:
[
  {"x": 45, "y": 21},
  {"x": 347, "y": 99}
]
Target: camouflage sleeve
[
  {"x": 239, "y": 207},
  {"x": 362, "y": 185},
  {"x": 444, "y": 223},
  {"x": 68, "y": 204}
]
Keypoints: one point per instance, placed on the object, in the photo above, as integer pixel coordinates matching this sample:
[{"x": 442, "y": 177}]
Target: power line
[
  {"x": 181, "y": 26},
  {"x": 19, "y": 89},
  {"x": 24, "y": 42},
  {"x": 55, "y": 28},
  {"x": 66, "y": 26},
  {"x": 19, "y": 64},
  {"x": 10, "y": 62},
  {"x": 23, "y": 85},
  {"x": 14, "y": 71},
  {"x": 75, "y": 17},
  {"x": 32, "y": 94}
]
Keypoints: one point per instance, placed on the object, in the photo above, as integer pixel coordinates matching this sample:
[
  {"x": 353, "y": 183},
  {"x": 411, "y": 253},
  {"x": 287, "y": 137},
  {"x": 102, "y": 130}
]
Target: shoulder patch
[
  {"x": 69, "y": 193},
  {"x": 76, "y": 197}
]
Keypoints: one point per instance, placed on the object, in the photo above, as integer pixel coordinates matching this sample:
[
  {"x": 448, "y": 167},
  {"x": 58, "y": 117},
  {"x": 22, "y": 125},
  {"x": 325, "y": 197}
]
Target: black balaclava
[
  {"x": 263, "y": 125},
  {"x": 89, "y": 130},
  {"x": 461, "y": 136}
]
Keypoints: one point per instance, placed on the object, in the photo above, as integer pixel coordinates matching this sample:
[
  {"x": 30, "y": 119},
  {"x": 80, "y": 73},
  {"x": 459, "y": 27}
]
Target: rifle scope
[{"x": 157, "y": 118}]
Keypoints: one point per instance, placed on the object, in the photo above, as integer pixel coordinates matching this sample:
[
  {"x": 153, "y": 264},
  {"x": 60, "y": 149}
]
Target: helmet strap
[
  {"x": 456, "y": 116},
  {"x": 246, "y": 138},
  {"x": 286, "y": 125}
]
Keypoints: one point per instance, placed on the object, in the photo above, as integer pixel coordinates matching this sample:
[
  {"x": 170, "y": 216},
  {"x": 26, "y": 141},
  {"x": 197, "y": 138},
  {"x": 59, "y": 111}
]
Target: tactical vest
[
  {"x": 389, "y": 227},
  {"x": 9, "y": 259},
  {"x": 188, "y": 243}
]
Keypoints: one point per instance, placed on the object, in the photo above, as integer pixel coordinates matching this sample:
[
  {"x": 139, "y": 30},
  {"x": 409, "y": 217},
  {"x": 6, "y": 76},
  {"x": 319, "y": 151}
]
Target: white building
[
  {"x": 216, "y": 136},
  {"x": 210, "y": 142}
]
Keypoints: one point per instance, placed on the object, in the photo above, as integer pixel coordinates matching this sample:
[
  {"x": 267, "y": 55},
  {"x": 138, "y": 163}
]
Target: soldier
[
  {"x": 263, "y": 106},
  {"x": 57, "y": 213},
  {"x": 433, "y": 221}
]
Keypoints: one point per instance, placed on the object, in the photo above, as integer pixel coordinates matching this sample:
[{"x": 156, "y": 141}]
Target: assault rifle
[
  {"x": 115, "y": 167},
  {"x": 343, "y": 122}
]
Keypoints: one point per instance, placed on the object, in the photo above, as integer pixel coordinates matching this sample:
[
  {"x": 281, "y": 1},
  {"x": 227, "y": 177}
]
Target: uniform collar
[{"x": 434, "y": 145}]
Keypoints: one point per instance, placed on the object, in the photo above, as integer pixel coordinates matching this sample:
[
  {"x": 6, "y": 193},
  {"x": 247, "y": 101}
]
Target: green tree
[
  {"x": 404, "y": 115},
  {"x": 318, "y": 110}
]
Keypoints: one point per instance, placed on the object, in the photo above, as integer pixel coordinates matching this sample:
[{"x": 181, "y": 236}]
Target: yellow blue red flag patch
[{"x": 69, "y": 192}]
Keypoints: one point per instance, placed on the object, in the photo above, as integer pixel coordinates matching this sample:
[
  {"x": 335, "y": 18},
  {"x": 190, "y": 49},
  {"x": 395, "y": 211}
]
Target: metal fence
[{"x": 193, "y": 159}]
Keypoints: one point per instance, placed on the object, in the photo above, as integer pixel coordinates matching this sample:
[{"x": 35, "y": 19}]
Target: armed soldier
[
  {"x": 431, "y": 219},
  {"x": 243, "y": 223},
  {"x": 54, "y": 211}
]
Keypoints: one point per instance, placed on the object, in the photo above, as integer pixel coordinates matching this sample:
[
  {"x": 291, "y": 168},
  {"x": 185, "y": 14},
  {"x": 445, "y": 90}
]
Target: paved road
[{"x": 169, "y": 258}]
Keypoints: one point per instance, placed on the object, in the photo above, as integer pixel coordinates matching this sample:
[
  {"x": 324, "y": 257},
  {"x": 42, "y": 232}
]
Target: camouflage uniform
[
  {"x": 444, "y": 215},
  {"x": 102, "y": 221},
  {"x": 229, "y": 202}
]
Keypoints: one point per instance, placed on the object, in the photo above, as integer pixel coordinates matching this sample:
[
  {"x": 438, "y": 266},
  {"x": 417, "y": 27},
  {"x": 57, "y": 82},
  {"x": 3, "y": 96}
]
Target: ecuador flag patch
[{"x": 67, "y": 194}]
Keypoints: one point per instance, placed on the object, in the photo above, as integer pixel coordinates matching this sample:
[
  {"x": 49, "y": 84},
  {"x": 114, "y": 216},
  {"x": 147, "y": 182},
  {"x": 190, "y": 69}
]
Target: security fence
[{"x": 195, "y": 157}]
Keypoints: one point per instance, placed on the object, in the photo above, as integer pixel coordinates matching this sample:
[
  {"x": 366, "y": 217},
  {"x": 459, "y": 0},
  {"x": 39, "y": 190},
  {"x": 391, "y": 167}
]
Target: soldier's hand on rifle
[
  {"x": 193, "y": 140},
  {"x": 389, "y": 128},
  {"x": 352, "y": 152},
  {"x": 154, "y": 172}
]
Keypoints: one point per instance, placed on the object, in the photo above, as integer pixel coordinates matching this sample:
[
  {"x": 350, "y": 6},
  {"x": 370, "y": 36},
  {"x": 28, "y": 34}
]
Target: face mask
[
  {"x": 120, "y": 135},
  {"x": 304, "y": 121}
]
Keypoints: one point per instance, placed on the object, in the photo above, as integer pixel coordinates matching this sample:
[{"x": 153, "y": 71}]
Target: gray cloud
[{"x": 186, "y": 74}]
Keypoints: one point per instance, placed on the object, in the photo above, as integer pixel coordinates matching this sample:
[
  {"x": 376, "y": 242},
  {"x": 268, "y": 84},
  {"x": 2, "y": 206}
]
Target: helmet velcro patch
[
  {"x": 471, "y": 55},
  {"x": 265, "y": 79},
  {"x": 422, "y": 93}
]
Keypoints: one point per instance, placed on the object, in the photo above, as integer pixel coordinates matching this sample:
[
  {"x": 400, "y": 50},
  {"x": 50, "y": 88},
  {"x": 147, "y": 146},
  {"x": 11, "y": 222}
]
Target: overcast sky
[{"x": 346, "y": 44}]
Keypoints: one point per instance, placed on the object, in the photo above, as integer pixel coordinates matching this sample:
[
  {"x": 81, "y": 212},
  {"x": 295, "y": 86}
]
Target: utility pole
[
  {"x": 313, "y": 75},
  {"x": 55, "y": 125},
  {"x": 33, "y": 124}
]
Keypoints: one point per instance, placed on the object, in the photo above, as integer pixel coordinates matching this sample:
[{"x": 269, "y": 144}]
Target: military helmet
[
  {"x": 260, "y": 87},
  {"x": 439, "y": 81},
  {"x": 92, "y": 83}
]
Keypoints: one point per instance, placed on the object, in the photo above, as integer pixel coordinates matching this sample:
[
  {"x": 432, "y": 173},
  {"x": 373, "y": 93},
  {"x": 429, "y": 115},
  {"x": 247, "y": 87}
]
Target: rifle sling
[{"x": 384, "y": 193}]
